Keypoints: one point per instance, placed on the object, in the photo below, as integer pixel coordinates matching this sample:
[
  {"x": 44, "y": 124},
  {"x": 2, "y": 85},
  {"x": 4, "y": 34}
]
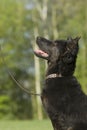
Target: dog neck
[{"x": 51, "y": 76}]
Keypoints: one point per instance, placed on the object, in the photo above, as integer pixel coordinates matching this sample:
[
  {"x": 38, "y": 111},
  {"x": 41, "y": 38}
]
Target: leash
[{"x": 13, "y": 77}]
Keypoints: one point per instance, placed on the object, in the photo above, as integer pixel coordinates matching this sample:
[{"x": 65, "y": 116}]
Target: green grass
[{"x": 25, "y": 125}]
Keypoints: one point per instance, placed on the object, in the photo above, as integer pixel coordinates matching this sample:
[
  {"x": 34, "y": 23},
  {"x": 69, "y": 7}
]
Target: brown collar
[{"x": 53, "y": 76}]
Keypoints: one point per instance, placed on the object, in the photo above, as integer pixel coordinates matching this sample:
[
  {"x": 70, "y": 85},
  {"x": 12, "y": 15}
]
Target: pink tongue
[{"x": 41, "y": 53}]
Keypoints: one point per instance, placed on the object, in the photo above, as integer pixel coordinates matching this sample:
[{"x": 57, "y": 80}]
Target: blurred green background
[{"x": 21, "y": 21}]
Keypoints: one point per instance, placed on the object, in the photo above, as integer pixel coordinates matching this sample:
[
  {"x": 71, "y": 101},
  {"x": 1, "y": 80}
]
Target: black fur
[{"x": 62, "y": 97}]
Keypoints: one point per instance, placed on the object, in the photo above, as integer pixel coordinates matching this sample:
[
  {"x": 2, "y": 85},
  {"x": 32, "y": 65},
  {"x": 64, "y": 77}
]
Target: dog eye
[{"x": 68, "y": 58}]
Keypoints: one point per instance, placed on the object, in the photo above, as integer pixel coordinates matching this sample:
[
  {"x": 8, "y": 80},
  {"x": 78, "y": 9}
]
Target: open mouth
[{"x": 41, "y": 54}]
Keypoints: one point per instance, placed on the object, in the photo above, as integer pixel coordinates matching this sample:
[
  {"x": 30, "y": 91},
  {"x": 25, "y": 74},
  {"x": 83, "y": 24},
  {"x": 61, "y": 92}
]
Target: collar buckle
[{"x": 54, "y": 76}]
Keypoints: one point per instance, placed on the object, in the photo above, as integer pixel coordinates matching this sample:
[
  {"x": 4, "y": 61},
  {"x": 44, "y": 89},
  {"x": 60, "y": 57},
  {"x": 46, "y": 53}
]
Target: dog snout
[
  {"x": 43, "y": 40},
  {"x": 38, "y": 39}
]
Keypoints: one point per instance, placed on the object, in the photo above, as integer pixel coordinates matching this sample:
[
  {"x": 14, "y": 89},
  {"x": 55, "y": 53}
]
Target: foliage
[{"x": 13, "y": 38}]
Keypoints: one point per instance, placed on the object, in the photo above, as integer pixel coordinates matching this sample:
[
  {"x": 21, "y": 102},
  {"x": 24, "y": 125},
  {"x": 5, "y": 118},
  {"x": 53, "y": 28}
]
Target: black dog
[{"x": 62, "y": 96}]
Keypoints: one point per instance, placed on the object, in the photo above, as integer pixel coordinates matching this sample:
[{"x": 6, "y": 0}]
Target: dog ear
[{"x": 77, "y": 39}]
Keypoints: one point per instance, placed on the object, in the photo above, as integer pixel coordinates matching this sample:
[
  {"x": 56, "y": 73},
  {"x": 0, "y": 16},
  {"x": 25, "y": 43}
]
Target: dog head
[{"x": 59, "y": 53}]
